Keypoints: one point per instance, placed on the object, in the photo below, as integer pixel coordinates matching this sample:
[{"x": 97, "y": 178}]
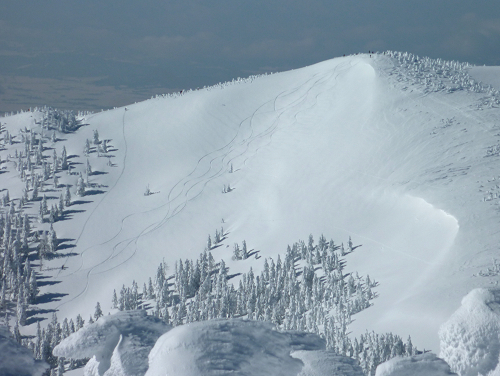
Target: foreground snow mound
[
  {"x": 324, "y": 362},
  {"x": 229, "y": 347},
  {"x": 418, "y": 365},
  {"x": 118, "y": 344},
  {"x": 16, "y": 360},
  {"x": 470, "y": 339}
]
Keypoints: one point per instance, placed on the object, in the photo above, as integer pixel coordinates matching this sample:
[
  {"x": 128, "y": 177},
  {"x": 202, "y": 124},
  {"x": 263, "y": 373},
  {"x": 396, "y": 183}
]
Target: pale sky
[{"x": 98, "y": 54}]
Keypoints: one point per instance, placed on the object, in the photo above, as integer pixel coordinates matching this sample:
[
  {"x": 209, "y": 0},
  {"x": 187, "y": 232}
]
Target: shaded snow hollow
[{"x": 16, "y": 360}]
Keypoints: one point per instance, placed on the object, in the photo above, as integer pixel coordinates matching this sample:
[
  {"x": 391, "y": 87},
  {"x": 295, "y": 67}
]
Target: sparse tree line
[{"x": 308, "y": 290}]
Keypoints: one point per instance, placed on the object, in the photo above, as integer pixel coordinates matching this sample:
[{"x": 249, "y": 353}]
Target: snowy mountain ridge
[{"x": 396, "y": 151}]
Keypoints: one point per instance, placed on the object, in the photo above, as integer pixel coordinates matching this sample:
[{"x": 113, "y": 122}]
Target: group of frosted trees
[
  {"x": 307, "y": 290},
  {"x": 17, "y": 278},
  {"x": 26, "y": 223},
  {"x": 62, "y": 120},
  {"x": 441, "y": 75},
  {"x": 49, "y": 337}
]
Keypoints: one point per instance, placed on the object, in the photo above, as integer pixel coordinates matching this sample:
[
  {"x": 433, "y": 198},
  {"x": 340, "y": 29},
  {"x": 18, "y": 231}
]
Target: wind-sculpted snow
[
  {"x": 427, "y": 364},
  {"x": 324, "y": 362},
  {"x": 470, "y": 339},
  {"x": 229, "y": 347},
  {"x": 118, "y": 344},
  {"x": 16, "y": 360}
]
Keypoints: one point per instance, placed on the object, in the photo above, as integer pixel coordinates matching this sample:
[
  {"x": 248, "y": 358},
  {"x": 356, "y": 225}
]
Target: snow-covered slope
[{"x": 352, "y": 146}]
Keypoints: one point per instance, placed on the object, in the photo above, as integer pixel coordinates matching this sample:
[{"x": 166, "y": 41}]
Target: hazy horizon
[{"x": 97, "y": 55}]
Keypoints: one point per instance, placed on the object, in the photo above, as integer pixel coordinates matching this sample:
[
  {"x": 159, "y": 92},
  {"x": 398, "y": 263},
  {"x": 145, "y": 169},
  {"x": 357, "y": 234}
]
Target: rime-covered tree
[
  {"x": 80, "y": 187},
  {"x": 64, "y": 159},
  {"x": 67, "y": 197},
  {"x": 98, "y": 312}
]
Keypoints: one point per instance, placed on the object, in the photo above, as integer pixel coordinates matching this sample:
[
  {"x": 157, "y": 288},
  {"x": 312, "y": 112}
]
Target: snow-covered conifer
[
  {"x": 86, "y": 148},
  {"x": 34, "y": 193},
  {"x": 244, "y": 252},
  {"x": 21, "y": 306},
  {"x": 114, "y": 300},
  {"x": 64, "y": 159},
  {"x": 89, "y": 168},
  {"x": 43, "y": 206},
  {"x": 80, "y": 187},
  {"x": 67, "y": 197},
  {"x": 237, "y": 252},
  {"x": 98, "y": 312},
  {"x": 79, "y": 322}
]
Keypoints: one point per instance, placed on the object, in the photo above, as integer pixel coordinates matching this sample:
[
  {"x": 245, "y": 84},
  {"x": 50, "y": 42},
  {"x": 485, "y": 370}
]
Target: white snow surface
[
  {"x": 326, "y": 363},
  {"x": 470, "y": 339},
  {"x": 118, "y": 344},
  {"x": 16, "y": 360},
  {"x": 427, "y": 364},
  {"x": 345, "y": 147},
  {"x": 230, "y": 347}
]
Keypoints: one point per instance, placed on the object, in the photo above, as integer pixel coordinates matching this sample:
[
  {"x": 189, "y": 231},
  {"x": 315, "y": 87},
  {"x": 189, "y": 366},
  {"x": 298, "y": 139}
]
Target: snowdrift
[{"x": 227, "y": 347}]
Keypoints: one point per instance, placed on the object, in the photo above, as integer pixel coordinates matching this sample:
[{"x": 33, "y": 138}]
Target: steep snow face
[
  {"x": 118, "y": 344},
  {"x": 16, "y": 360},
  {"x": 228, "y": 347},
  {"x": 426, "y": 364},
  {"x": 348, "y": 147},
  {"x": 470, "y": 339}
]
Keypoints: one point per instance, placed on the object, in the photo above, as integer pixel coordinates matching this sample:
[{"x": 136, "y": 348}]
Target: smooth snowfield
[{"x": 341, "y": 148}]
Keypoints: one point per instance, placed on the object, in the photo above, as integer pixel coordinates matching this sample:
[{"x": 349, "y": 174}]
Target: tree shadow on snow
[
  {"x": 94, "y": 192},
  {"x": 33, "y": 320},
  {"x": 46, "y": 283},
  {"x": 80, "y": 202},
  {"x": 49, "y": 297}
]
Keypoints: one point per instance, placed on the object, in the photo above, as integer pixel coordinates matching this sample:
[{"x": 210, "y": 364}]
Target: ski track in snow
[
  {"x": 189, "y": 182},
  {"x": 102, "y": 199}
]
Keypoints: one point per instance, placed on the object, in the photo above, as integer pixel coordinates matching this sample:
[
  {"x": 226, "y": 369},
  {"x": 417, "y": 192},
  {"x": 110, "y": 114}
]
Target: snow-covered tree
[
  {"x": 98, "y": 312},
  {"x": 80, "y": 187}
]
